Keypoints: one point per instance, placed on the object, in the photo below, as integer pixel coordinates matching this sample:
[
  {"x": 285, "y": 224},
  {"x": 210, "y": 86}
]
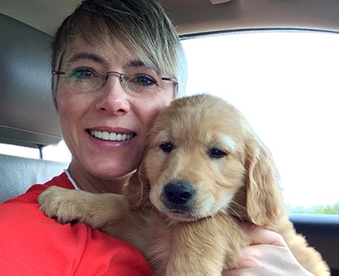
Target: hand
[{"x": 270, "y": 256}]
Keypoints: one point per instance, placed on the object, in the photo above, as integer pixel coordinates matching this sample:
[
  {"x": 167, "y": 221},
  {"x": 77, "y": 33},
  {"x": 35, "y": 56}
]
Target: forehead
[
  {"x": 104, "y": 54},
  {"x": 210, "y": 125}
]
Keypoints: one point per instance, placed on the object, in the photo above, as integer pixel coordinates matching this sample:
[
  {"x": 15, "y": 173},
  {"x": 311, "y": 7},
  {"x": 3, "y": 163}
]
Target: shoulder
[
  {"x": 23, "y": 211},
  {"x": 35, "y": 190},
  {"x": 33, "y": 244}
]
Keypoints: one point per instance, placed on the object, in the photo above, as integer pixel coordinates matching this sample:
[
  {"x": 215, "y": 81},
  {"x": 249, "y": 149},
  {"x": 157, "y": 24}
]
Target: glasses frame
[{"x": 120, "y": 75}]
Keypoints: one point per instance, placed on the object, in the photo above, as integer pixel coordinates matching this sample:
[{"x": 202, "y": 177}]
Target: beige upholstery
[
  {"x": 27, "y": 115},
  {"x": 17, "y": 174}
]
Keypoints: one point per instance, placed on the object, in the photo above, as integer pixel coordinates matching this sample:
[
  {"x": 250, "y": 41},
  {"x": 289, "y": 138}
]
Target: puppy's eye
[
  {"x": 216, "y": 153},
  {"x": 166, "y": 147}
]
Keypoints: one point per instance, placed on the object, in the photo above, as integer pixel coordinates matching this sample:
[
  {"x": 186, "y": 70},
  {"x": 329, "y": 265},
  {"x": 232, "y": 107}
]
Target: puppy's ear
[
  {"x": 263, "y": 199},
  {"x": 137, "y": 190}
]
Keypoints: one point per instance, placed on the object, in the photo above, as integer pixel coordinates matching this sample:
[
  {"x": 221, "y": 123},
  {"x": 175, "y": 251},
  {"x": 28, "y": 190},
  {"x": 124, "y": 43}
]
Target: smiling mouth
[{"x": 110, "y": 136}]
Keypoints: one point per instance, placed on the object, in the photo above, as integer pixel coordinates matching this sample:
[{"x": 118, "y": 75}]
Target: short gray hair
[{"x": 142, "y": 26}]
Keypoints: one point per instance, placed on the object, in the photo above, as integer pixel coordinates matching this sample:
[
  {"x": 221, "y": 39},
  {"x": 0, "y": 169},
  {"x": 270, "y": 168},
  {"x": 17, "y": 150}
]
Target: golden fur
[{"x": 203, "y": 164}]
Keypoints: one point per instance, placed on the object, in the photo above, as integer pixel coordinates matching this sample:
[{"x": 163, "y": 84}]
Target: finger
[{"x": 262, "y": 236}]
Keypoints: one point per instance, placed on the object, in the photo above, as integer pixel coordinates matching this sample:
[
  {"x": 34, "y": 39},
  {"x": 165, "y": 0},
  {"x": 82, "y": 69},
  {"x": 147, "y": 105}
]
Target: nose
[
  {"x": 113, "y": 99},
  {"x": 178, "y": 192}
]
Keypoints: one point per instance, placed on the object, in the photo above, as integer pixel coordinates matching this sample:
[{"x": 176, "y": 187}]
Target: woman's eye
[
  {"x": 143, "y": 80},
  {"x": 83, "y": 74},
  {"x": 216, "y": 153}
]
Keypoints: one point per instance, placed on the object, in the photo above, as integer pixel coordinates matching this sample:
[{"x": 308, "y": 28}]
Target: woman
[{"x": 115, "y": 64}]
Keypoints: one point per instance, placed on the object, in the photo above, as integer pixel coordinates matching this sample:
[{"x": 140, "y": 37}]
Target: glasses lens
[
  {"x": 142, "y": 83},
  {"x": 83, "y": 79}
]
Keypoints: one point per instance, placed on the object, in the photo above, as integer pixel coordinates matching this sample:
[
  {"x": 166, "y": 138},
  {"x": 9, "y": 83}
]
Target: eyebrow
[
  {"x": 136, "y": 63},
  {"x": 90, "y": 56},
  {"x": 229, "y": 142},
  {"x": 139, "y": 63}
]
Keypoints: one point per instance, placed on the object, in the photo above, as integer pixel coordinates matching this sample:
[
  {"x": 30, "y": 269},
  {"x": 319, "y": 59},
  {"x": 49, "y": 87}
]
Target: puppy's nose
[{"x": 178, "y": 192}]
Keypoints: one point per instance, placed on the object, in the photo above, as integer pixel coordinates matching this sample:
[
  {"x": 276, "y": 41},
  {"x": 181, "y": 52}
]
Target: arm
[
  {"x": 33, "y": 244},
  {"x": 95, "y": 210},
  {"x": 110, "y": 213}
]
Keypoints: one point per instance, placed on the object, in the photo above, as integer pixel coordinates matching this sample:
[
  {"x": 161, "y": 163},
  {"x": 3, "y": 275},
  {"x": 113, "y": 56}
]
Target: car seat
[{"x": 27, "y": 115}]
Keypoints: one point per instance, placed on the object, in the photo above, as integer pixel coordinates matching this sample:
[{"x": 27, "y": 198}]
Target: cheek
[
  {"x": 232, "y": 173},
  {"x": 65, "y": 101},
  {"x": 157, "y": 171},
  {"x": 71, "y": 108},
  {"x": 150, "y": 108},
  {"x": 65, "y": 109},
  {"x": 72, "y": 104},
  {"x": 153, "y": 164}
]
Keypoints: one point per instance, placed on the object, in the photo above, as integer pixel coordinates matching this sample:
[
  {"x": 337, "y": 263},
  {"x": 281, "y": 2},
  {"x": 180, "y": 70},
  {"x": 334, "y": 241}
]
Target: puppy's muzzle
[{"x": 177, "y": 195}]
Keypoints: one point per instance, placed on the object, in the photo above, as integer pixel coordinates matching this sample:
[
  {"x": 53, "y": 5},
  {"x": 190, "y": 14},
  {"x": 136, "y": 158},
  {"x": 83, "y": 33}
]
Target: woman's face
[{"x": 105, "y": 128}]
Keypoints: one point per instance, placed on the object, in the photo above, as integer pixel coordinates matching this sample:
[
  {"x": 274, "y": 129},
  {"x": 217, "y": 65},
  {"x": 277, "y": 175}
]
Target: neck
[{"x": 90, "y": 183}]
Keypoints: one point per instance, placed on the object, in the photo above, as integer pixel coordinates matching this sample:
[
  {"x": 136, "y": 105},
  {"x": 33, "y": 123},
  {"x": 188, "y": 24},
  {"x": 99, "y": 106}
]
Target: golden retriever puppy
[{"x": 203, "y": 165}]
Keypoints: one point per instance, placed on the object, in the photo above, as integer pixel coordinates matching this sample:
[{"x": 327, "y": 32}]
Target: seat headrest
[{"x": 27, "y": 114}]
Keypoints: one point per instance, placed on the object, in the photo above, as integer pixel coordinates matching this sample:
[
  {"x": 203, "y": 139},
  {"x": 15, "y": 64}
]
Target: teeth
[{"x": 111, "y": 136}]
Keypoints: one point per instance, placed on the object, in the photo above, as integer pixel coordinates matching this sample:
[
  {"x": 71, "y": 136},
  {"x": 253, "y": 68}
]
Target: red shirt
[{"x": 32, "y": 244}]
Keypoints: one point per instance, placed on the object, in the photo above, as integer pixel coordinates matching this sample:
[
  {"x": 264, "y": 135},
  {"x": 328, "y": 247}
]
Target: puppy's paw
[{"x": 59, "y": 203}]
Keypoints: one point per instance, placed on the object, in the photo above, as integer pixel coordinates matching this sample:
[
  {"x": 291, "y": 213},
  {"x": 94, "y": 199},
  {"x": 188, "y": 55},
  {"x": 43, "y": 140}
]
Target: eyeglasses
[{"x": 87, "y": 80}]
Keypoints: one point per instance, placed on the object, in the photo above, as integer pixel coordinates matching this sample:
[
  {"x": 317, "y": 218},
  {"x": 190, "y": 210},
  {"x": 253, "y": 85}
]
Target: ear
[
  {"x": 137, "y": 189},
  {"x": 263, "y": 199}
]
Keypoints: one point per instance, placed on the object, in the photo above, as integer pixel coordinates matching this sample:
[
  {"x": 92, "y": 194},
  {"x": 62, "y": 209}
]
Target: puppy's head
[{"x": 202, "y": 158}]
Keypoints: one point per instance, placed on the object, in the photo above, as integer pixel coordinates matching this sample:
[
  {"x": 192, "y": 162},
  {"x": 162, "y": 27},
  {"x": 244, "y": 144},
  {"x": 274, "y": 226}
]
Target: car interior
[{"x": 28, "y": 117}]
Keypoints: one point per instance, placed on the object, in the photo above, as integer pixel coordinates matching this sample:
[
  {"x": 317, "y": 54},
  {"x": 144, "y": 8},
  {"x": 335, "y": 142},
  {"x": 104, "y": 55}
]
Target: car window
[
  {"x": 58, "y": 152},
  {"x": 286, "y": 84}
]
